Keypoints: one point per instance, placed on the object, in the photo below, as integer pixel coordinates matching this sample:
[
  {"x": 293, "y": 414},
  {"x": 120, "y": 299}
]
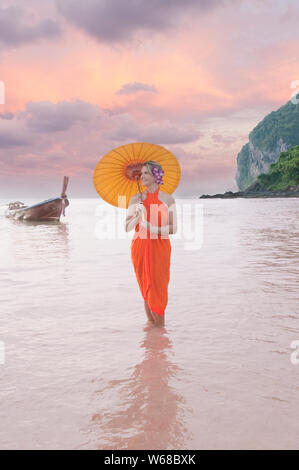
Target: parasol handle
[
  {"x": 141, "y": 201},
  {"x": 137, "y": 178}
]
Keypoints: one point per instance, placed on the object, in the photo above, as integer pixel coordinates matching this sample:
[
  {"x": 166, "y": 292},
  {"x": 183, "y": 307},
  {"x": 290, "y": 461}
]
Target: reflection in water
[
  {"x": 150, "y": 414},
  {"x": 40, "y": 241}
]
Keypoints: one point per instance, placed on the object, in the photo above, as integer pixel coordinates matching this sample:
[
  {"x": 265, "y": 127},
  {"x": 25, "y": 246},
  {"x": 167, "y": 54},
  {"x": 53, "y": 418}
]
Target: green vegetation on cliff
[
  {"x": 283, "y": 123},
  {"x": 283, "y": 173}
]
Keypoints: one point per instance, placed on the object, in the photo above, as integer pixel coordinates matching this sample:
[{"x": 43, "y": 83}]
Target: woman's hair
[{"x": 156, "y": 170}]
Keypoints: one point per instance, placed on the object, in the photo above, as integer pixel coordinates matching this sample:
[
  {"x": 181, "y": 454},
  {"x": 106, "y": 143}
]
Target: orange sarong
[{"x": 150, "y": 254}]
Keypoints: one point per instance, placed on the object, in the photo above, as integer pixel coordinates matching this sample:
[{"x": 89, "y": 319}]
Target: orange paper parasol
[{"x": 118, "y": 172}]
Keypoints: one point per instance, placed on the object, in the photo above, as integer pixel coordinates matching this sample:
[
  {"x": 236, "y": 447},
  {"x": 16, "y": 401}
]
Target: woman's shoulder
[{"x": 166, "y": 198}]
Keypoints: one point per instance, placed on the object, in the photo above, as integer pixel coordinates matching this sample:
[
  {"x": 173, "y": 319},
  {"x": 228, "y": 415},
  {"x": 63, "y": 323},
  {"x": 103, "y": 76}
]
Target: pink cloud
[{"x": 215, "y": 73}]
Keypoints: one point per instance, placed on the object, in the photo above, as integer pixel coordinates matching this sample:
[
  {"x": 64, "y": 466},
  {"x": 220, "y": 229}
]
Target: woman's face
[{"x": 147, "y": 177}]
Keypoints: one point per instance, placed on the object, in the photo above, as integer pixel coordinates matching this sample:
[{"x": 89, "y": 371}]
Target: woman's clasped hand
[{"x": 140, "y": 209}]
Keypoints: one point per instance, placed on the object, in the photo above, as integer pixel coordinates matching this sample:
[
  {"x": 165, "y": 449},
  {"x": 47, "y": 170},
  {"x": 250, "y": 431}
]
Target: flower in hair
[{"x": 158, "y": 174}]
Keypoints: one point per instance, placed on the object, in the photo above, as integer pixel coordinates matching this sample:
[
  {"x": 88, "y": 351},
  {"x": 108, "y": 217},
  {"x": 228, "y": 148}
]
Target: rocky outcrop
[
  {"x": 256, "y": 191},
  {"x": 252, "y": 162},
  {"x": 276, "y": 133},
  {"x": 282, "y": 179}
]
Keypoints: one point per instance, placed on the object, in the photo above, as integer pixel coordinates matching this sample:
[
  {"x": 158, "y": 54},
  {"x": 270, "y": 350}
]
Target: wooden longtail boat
[{"x": 48, "y": 210}]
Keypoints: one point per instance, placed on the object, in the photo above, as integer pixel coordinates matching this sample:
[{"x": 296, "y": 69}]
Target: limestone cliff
[{"x": 276, "y": 133}]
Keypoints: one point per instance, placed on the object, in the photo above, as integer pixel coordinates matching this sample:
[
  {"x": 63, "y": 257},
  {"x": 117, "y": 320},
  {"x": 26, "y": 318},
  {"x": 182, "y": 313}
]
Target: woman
[{"x": 153, "y": 215}]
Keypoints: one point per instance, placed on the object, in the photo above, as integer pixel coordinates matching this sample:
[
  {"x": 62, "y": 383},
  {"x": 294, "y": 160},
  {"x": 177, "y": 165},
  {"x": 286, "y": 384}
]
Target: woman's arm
[{"x": 132, "y": 217}]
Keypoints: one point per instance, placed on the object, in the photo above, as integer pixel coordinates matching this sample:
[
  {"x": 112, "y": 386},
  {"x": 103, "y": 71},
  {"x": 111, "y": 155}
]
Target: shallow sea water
[{"x": 83, "y": 369}]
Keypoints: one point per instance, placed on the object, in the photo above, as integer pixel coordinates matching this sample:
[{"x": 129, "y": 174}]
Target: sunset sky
[{"x": 84, "y": 77}]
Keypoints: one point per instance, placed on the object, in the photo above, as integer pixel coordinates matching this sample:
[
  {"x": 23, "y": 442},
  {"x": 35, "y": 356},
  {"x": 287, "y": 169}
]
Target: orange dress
[{"x": 150, "y": 254}]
